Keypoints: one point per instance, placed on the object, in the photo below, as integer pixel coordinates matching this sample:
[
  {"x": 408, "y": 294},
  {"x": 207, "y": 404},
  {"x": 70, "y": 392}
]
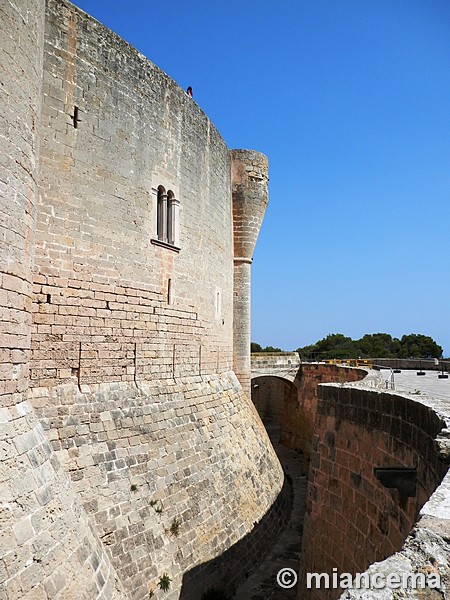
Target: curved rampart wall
[
  {"x": 352, "y": 520},
  {"x": 271, "y": 395},
  {"x": 292, "y": 406},
  {"x": 47, "y": 546},
  {"x": 172, "y": 475},
  {"x": 299, "y": 429},
  {"x": 164, "y": 459}
]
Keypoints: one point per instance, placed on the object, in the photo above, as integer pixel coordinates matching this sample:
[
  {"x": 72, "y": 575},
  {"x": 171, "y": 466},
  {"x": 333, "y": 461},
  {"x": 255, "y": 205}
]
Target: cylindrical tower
[
  {"x": 22, "y": 54},
  {"x": 249, "y": 177},
  {"x": 46, "y": 541}
]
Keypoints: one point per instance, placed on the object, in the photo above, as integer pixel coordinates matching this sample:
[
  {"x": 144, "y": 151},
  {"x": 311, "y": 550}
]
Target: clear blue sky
[{"x": 350, "y": 100}]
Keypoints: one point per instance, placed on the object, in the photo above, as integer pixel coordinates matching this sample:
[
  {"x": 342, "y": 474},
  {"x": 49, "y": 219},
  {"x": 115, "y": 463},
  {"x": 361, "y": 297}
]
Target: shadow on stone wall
[
  {"x": 231, "y": 568},
  {"x": 272, "y": 397}
]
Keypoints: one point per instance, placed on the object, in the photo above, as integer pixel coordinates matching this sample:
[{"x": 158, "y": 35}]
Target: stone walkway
[
  {"x": 428, "y": 384},
  {"x": 262, "y": 584}
]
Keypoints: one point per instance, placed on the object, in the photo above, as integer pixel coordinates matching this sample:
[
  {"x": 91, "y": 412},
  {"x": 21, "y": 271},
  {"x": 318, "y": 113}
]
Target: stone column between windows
[
  {"x": 173, "y": 221},
  {"x": 163, "y": 220}
]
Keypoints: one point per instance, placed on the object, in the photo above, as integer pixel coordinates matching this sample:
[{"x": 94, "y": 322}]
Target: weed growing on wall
[
  {"x": 164, "y": 582},
  {"x": 175, "y": 527}
]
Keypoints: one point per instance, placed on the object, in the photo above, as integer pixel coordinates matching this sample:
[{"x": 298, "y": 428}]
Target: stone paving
[
  {"x": 428, "y": 384},
  {"x": 286, "y": 551}
]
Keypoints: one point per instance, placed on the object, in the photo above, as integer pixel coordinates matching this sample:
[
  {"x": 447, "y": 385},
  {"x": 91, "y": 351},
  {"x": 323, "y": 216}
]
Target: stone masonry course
[{"x": 131, "y": 455}]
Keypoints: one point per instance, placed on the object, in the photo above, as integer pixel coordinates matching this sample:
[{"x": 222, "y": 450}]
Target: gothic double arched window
[{"x": 167, "y": 210}]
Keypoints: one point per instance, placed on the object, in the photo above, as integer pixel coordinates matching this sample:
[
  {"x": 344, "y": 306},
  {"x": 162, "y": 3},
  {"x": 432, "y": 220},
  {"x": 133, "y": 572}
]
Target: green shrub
[{"x": 164, "y": 582}]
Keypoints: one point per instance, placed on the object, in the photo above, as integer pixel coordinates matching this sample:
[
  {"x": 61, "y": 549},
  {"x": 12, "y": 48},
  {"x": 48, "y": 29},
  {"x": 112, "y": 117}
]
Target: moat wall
[
  {"x": 271, "y": 395},
  {"x": 352, "y": 520},
  {"x": 292, "y": 404},
  {"x": 191, "y": 452}
]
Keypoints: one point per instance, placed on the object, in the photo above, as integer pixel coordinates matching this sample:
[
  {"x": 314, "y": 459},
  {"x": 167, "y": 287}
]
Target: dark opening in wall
[
  {"x": 403, "y": 479},
  {"x": 75, "y": 118}
]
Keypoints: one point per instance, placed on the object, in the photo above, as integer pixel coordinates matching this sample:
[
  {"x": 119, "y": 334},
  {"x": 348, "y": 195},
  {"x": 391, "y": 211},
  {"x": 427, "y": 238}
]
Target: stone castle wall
[
  {"x": 271, "y": 395},
  {"x": 191, "y": 452},
  {"x": 47, "y": 546},
  {"x": 129, "y": 449},
  {"x": 352, "y": 520},
  {"x": 280, "y": 364},
  {"x": 300, "y": 413},
  {"x": 103, "y": 308},
  {"x": 21, "y": 53}
]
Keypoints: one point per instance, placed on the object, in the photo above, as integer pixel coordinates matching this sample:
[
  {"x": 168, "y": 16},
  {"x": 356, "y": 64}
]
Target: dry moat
[{"x": 372, "y": 462}]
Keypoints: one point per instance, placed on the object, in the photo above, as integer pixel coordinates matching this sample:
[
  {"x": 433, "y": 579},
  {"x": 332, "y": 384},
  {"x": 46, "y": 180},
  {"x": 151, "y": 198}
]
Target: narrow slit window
[
  {"x": 75, "y": 117},
  {"x": 218, "y": 303}
]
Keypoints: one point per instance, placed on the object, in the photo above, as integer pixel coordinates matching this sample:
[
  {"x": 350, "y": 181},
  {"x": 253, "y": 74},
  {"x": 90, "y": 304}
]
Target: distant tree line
[
  {"x": 254, "y": 347},
  {"x": 376, "y": 345}
]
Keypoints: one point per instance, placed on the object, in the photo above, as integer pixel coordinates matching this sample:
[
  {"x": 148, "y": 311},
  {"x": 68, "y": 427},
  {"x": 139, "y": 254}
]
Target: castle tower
[
  {"x": 22, "y": 55},
  {"x": 249, "y": 177},
  {"x": 46, "y": 541}
]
